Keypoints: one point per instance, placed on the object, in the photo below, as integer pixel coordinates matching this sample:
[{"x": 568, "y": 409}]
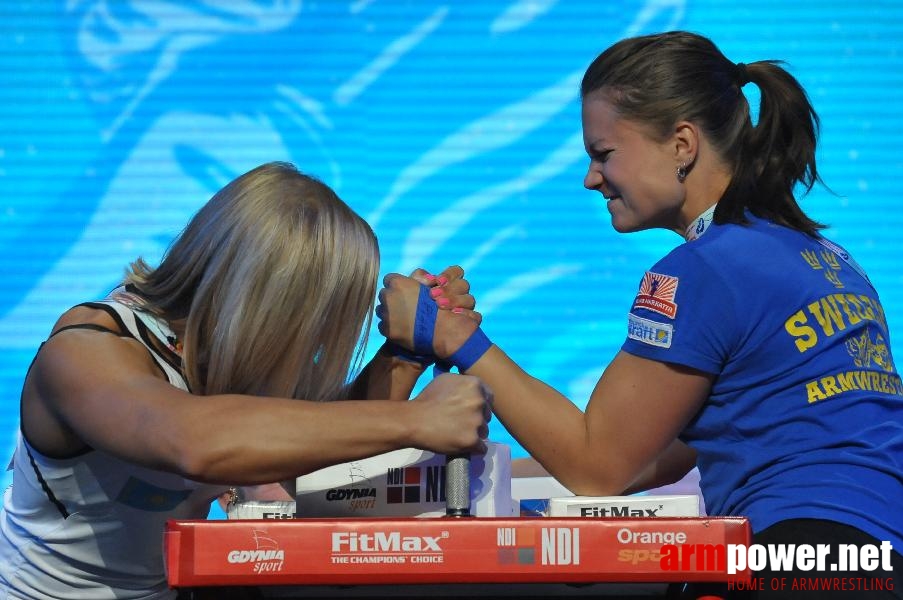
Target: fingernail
[
  {"x": 442, "y": 279},
  {"x": 436, "y": 292},
  {"x": 457, "y": 310},
  {"x": 443, "y": 302},
  {"x": 430, "y": 277}
]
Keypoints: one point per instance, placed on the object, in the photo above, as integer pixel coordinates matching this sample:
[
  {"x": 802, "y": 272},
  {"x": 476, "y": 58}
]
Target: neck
[
  {"x": 698, "y": 225},
  {"x": 704, "y": 188}
]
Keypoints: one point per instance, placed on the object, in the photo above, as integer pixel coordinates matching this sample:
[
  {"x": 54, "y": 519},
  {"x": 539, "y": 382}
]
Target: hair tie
[{"x": 742, "y": 75}]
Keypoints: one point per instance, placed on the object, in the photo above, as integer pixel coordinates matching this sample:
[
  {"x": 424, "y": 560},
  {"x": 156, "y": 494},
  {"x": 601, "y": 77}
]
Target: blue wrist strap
[
  {"x": 424, "y": 325},
  {"x": 470, "y": 351},
  {"x": 424, "y": 360},
  {"x": 424, "y": 322}
]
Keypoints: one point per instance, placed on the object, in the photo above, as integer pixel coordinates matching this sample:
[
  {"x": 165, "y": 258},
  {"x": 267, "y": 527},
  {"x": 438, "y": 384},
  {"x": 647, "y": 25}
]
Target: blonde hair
[{"x": 275, "y": 279}]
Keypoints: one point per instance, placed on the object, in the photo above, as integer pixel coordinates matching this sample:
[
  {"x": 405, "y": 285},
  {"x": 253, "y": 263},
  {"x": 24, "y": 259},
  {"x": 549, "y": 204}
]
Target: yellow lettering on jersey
[
  {"x": 847, "y": 381},
  {"x": 868, "y": 312},
  {"x": 829, "y": 385},
  {"x": 886, "y": 383},
  {"x": 826, "y": 313},
  {"x": 833, "y": 313},
  {"x": 852, "y": 313},
  {"x": 805, "y": 335},
  {"x": 815, "y": 393}
]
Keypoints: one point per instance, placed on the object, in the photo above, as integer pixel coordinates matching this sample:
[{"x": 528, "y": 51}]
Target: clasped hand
[{"x": 455, "y": 319}]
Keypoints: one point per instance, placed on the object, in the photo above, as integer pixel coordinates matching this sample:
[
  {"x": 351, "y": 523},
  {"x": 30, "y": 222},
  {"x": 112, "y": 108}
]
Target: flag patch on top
[
  {"x": 657, "y": 293},
  {"x": 649, "y": 332}
]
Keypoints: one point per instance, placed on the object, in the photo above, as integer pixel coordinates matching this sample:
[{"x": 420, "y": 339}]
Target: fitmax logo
[
  {"x": 618, "y": 511},
  {"x": 382, "y": 541}
]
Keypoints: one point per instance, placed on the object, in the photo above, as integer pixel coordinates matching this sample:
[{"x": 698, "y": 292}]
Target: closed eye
[{"x": 600, "y": 155}]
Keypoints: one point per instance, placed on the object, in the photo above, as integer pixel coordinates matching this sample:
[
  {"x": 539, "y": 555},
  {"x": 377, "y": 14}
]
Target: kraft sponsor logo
[{"x": 649, "y": 332}]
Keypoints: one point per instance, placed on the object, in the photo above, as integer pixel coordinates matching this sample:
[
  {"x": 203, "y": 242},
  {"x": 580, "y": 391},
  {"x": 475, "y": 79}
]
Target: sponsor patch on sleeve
[
  {"x": 649, "y": 332},
  {"x": 657, "y": 293}
]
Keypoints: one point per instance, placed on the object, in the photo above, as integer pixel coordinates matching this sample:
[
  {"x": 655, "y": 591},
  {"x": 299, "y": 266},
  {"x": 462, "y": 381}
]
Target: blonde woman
[{"x": 214, "y": 369}]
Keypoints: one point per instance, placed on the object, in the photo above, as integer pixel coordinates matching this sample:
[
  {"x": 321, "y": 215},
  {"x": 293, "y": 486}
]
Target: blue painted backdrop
[{"x": 453, "y": 127}]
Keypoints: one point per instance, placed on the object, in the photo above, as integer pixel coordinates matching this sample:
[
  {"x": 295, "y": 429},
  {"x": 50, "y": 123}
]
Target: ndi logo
[
  {"x": 560, "y": 546},
  {"x": 404, "y": 484},
  {"x": 557, "y": 545}
]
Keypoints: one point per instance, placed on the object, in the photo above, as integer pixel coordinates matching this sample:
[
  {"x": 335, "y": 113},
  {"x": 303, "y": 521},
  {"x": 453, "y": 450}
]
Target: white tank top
[{"x": 91, "y": 526}]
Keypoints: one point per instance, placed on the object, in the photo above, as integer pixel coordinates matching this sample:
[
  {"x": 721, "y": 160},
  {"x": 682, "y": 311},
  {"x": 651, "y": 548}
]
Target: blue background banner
[{"x": 453, "y": 127}]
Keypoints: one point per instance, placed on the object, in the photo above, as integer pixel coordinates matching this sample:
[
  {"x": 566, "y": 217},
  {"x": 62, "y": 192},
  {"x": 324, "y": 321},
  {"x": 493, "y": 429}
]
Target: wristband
[
  {"x": 424, "y": 360},
  {"x": 470, "y": 351},
  {"x": 424, "y": 322},
  {"x": 424, "y": 325}
]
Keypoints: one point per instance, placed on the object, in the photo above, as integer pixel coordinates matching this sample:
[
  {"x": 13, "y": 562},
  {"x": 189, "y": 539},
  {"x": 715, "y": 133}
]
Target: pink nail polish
[
  {"x": 430, "y": 277},
  {"x": 442, "y": 279},
  {"x": 458, "y": 310},
  {"x": 443, "y": 302},
  {"x": 436, "y": 292}
]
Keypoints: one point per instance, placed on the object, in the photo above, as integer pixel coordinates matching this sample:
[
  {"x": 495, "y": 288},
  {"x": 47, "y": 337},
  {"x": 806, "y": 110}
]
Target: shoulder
[
  {"x": 89, "y": 340},
  {"x": 87, "y": 314},
  {"x": 732, "y": 246},
  {"x": 86, "y": 362}
]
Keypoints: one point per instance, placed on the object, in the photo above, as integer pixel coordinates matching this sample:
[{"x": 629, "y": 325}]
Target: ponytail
[{"x": 775, "y": 155}]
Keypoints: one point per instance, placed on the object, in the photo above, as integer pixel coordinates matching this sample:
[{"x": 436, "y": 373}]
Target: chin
[{"x": 624, "y": 227}]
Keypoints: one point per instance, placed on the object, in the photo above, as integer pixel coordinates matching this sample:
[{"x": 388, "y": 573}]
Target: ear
[{"x": 686, "y": 142}]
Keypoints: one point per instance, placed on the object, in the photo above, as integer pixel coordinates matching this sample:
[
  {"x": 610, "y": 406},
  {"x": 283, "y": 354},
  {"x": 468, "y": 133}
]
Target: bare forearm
[
  {"x": 386, "y": 377},
  {"x": 284, "y": 438},
  {"x": 548, "y": 425}
]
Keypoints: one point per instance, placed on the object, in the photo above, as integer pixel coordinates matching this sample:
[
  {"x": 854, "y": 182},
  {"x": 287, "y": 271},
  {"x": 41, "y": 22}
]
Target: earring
[{"x": 682, "y": 172}]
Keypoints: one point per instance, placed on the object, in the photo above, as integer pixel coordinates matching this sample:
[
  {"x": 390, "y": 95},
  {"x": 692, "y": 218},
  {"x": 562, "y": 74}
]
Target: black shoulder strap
[
  {"x": 164, "y": 354},
  {"x": 92, "y": 326}
]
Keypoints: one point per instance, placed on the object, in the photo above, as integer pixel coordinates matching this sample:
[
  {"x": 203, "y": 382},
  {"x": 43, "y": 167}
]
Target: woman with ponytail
[{"x": 757, "y": 350}]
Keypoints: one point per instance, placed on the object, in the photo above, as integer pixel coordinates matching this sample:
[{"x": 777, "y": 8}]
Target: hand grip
[{"x": 457, "y": 485}]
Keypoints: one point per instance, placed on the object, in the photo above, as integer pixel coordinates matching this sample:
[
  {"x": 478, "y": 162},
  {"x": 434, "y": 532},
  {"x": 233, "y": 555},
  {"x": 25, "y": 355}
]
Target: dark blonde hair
[
  {"x": 275, "y": 279},
  {"x": 658, "y": 80}
]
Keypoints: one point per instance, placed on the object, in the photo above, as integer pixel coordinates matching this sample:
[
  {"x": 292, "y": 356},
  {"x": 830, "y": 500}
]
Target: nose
[{"x": 593, "y": 179}]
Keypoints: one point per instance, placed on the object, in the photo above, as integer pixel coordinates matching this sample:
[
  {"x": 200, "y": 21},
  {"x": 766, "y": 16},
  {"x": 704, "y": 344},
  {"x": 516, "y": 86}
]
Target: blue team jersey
[{"x": 805, "y": 417}]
